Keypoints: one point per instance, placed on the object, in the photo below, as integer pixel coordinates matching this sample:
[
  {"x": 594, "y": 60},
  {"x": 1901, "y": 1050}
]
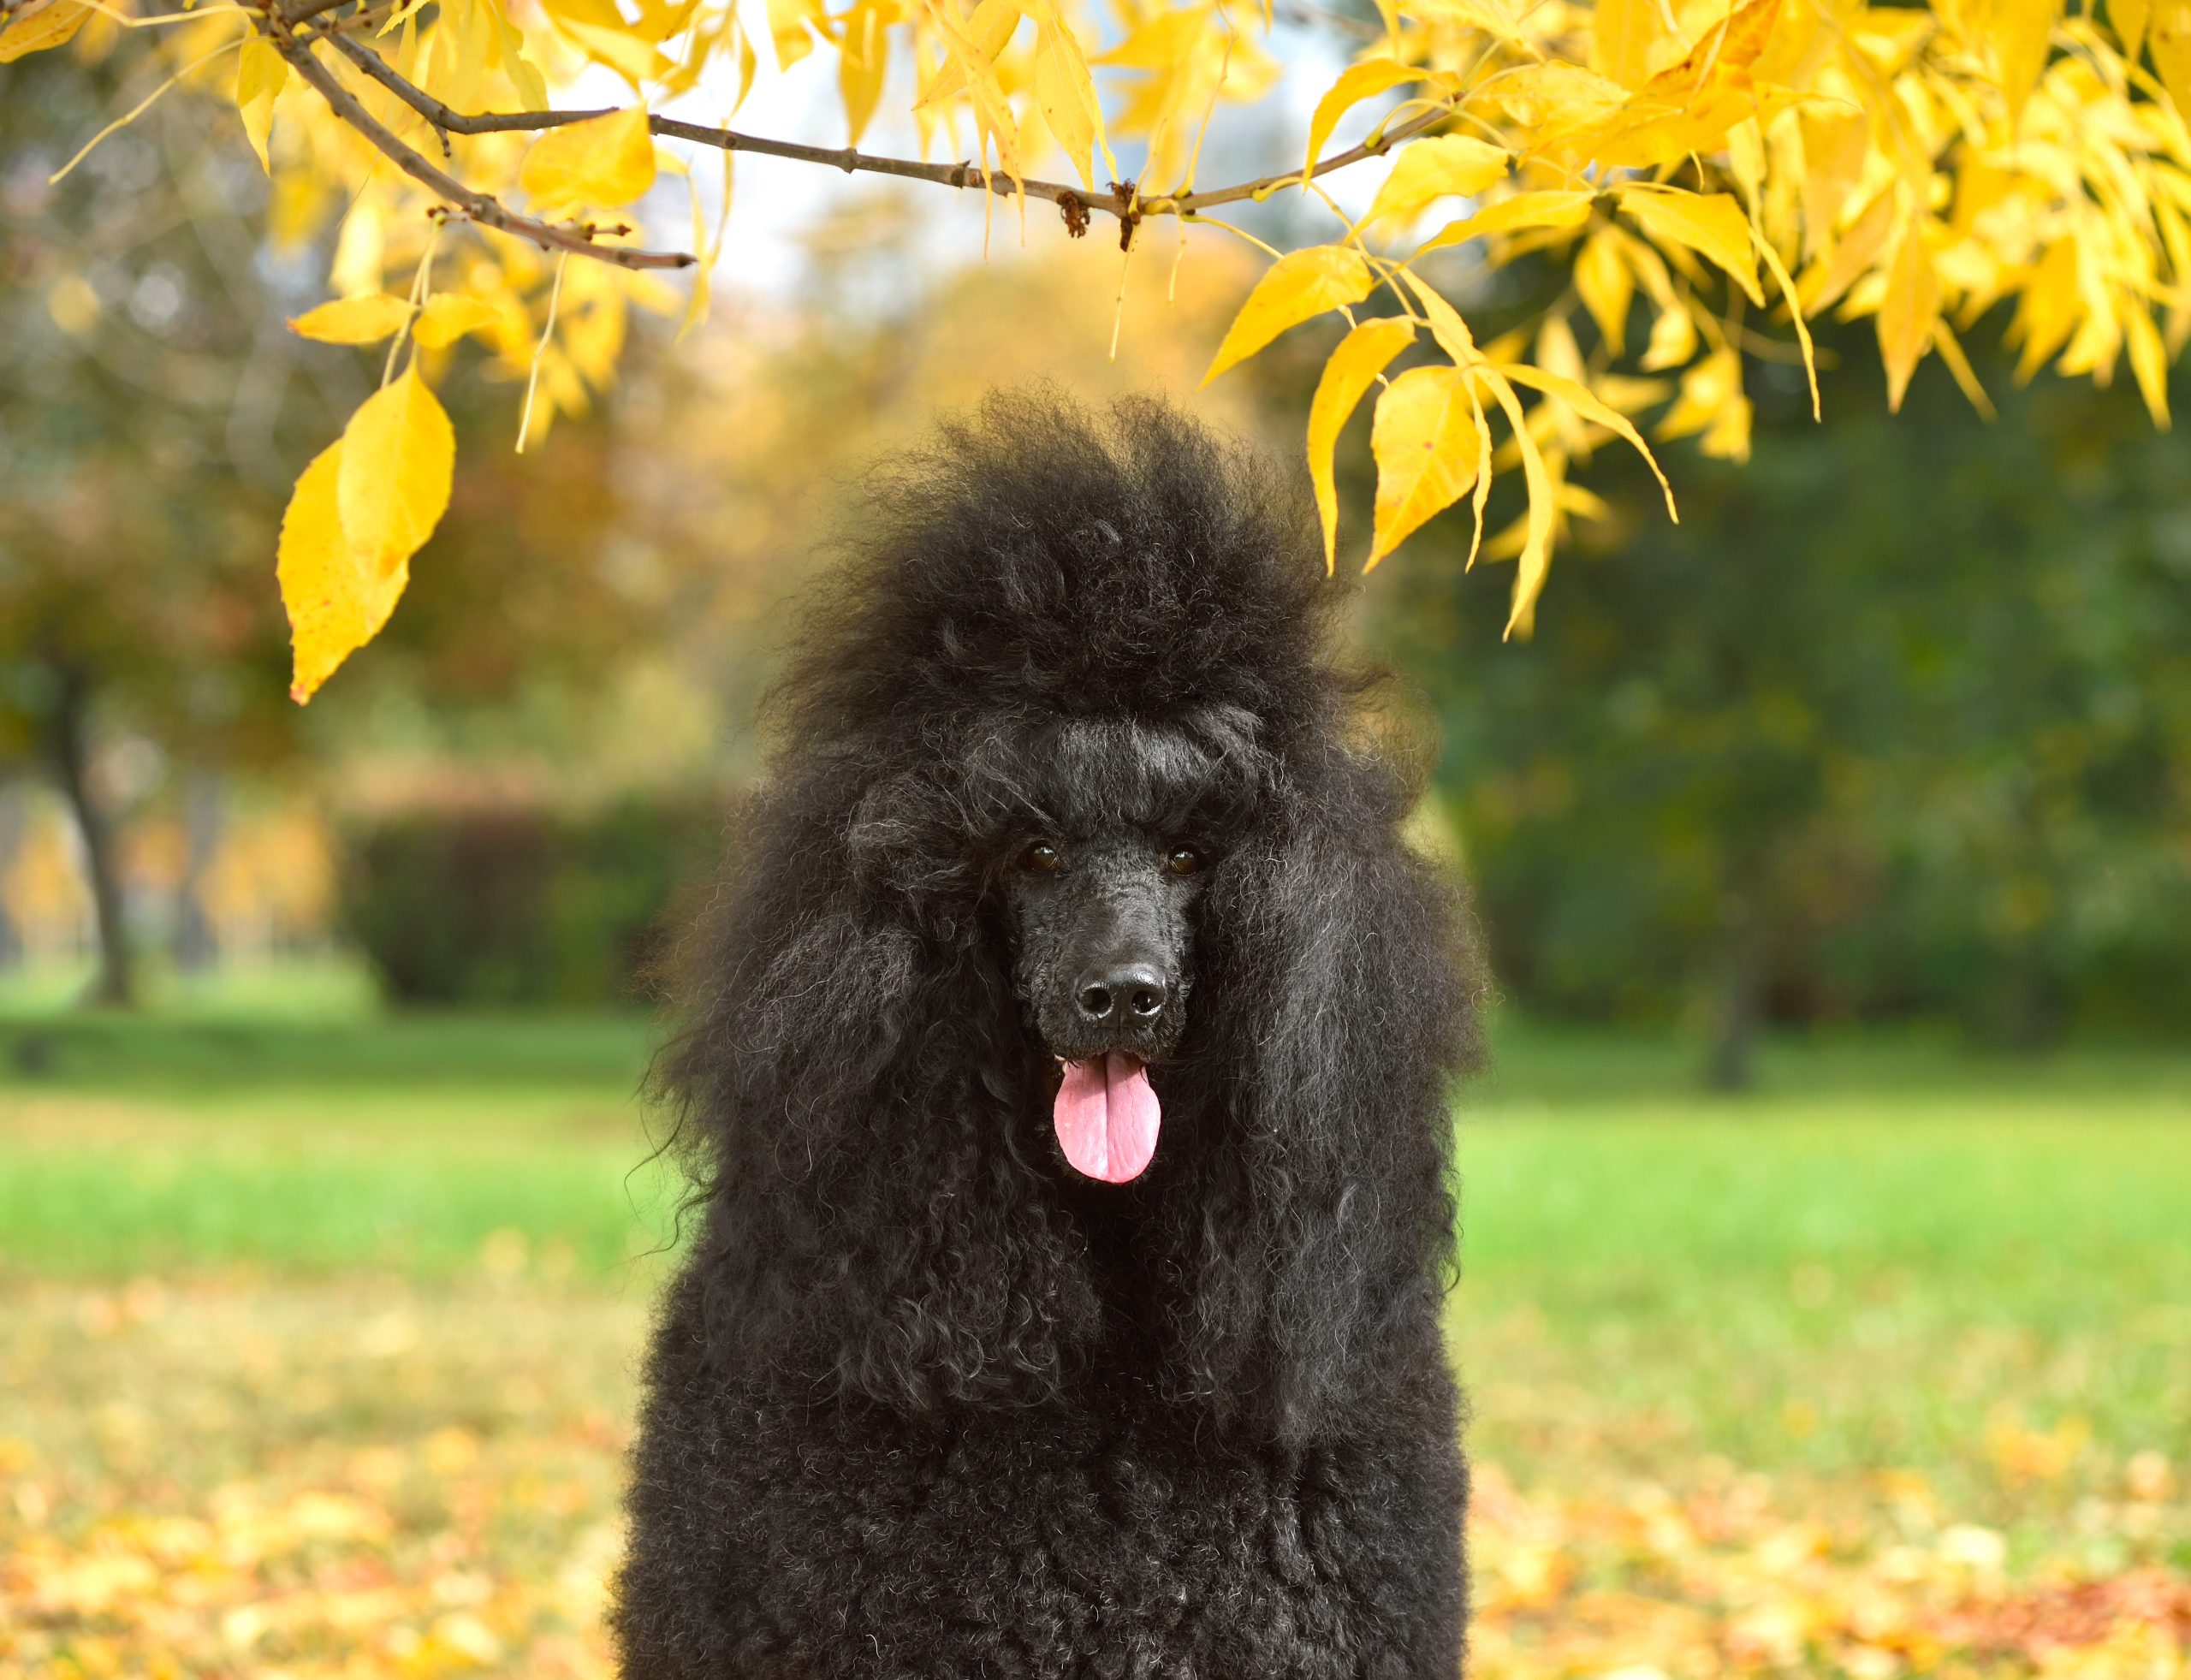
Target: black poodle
[{"x": 1070, "y": 1085}]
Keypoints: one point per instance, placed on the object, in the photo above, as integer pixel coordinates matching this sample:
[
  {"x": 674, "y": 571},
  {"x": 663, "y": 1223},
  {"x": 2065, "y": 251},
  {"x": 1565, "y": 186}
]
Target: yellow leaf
[
  {"x": 1064, "y": 92},
  {"x": 602, "y": 163},
  {"x": 1835, "y": 145},
  {"x": 364, "y": 320},
  {"x": 1558, "y": 207},
  {"x": 447, "y": 316},
  {"x": 34, "y": 31},
  {"x": 1673, "y": 340},
  {"x": 2018, "y": 29},
  {"x": 261, "y": 74},
  {"x": 1605, "y": 286},
  {"x": 2169, "y": 37},
  {"x": 1706, "y": 390},
  {"x": 2148, "y": 358},
  {"x": 1425, "y": 442},
  {"x": 1585, "y": 402},
  {"x": 1361, "y": 355},
  {"x": 336, "y": 603},
  {"x": 1906, "y": 318},
  {"x": 1299, "y": 285},
  {"x": 1447, "y": 326},
  {"x": 1488, "y": 15},
  {"x": 1624, "y": 35},
  {"x": 787, "y": 27},
  {"x": 1853, "y": 256},
  {"x": 637, "y": 61},
  {"x": 399, "y": 454},
  {"x": 1536, "y": 544},
  {"x": 2128, "y": 17},
  {"x": 863, "y": 63},
  {"x": 1714, "y": 226},
  {"x": 1356, "y": 83},
  {"x": 1440, "y": 167}
]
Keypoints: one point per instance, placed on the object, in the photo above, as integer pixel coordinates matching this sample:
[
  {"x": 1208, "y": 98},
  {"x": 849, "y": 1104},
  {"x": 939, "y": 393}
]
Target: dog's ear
[
  {"x": 1337, "y": 967},
  {"x": 874, "y": 1220}
]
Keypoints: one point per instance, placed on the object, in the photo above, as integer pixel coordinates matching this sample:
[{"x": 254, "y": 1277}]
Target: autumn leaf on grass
[
  {"x": 1361, "y": 355},
  {"x": 600, "y": 164},
  {"x": 352, "y": 320},
  {"x": 1443, "y": 166},
  {"x": 32, "y": 30},
  {"x": 336, "y": 603},
  {"x": 1426, "y": 444},
  {"x": 261, "y": 74},
  {"x": 1300, "y": 285}
]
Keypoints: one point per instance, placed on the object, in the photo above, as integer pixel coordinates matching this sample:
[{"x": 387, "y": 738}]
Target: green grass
[{"x": 1891, "y": 1254}]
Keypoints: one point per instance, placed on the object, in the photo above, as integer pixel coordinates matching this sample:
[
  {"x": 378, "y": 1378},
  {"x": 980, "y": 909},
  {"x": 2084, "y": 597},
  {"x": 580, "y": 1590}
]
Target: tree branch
[
  {"x": 1124, "y": 205},
  {"x": 479, "y": 207}
]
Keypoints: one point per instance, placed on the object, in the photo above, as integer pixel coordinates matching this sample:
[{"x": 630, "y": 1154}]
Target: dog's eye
[
  {"x": 1183, "y": 860},
  {"x": 1042, "y": 858}
]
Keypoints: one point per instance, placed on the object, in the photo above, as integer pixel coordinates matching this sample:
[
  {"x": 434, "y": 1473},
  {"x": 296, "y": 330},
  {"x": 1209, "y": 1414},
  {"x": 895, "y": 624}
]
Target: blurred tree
[
  {"x": 150, "y": 405},
  {"x": 143, "y": 394},
  {"x": 1898, "y": 721}
]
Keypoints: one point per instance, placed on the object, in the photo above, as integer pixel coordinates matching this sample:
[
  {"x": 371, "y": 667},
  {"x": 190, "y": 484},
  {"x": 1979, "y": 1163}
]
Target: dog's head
[{"x": 1119, "y": 828}]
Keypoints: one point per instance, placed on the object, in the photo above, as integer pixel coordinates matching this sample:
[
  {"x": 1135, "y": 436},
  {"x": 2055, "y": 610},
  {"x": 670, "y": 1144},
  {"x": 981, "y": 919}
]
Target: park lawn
[{"x": 1885, "y": 1367}]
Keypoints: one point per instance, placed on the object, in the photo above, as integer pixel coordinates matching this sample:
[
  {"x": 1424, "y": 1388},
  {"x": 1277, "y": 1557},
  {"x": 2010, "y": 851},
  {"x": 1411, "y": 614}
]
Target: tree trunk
[
  {"x": 197, "y": 948},
  {"x": 14, "y": 820},
  {"x": 1735, "y": 1003},
  {"x": 116, "y": 987}
]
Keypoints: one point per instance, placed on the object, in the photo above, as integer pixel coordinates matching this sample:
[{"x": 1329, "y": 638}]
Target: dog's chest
[{"x": 1056, "y": 1545}]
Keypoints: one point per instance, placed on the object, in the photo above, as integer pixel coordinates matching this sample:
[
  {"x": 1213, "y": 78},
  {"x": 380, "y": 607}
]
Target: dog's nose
[{"x": 1128, "y": 993}]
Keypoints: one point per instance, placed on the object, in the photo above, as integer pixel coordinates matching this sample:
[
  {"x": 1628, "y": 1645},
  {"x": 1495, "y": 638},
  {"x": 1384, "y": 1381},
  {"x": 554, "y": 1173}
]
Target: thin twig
[
  {"x": 849, "y": 159},
  {"x": 479, "y": 207}
]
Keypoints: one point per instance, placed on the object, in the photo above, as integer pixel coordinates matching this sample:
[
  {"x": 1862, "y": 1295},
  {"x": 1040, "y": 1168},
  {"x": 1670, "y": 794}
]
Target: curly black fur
[{"x": 923, "y": 1402}]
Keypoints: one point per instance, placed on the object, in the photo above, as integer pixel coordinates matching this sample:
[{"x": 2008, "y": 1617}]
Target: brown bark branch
[
  {"x": 1126, "y": 206},
  {"x": 479, "y": 207}
]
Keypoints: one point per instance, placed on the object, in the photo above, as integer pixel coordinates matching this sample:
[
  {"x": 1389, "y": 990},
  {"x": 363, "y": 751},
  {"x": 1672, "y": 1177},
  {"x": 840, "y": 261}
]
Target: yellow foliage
[
  {"x": 1426, "y": 441},
  {"x": 352, "y": 320},
  {"x": 1933, "y": 168},
  {"x": 600, "y": 164}
]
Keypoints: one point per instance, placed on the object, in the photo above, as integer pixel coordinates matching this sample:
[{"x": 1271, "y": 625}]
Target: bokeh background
[{"x": 1827, "y": 1293}]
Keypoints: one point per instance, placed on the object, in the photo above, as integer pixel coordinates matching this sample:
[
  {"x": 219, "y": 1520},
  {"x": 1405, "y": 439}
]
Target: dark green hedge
[{"x": 523, "y": 906}]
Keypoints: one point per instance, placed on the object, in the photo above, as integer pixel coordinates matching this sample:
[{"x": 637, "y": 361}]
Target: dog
[{"x": 1068, "y": 1090}]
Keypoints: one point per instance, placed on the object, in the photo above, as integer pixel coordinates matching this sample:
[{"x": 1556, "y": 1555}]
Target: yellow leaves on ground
[
  {"x": 364, "y": 507},
  {"x": 600, "y": 164},
  {"x": 1361, "y": 355},
  {"x": 352, "y": 320},
  {"x": 1426, "y": 445},
  {"x": 261, "y": 74},
  {"x": 1296, "y": 288},
  {"x": 35, "y": 28},
  {"x": 1442, "y": 166}
]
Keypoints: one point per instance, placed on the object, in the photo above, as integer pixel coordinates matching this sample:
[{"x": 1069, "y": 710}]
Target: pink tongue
[{"x": 1106, "y": 1117}]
